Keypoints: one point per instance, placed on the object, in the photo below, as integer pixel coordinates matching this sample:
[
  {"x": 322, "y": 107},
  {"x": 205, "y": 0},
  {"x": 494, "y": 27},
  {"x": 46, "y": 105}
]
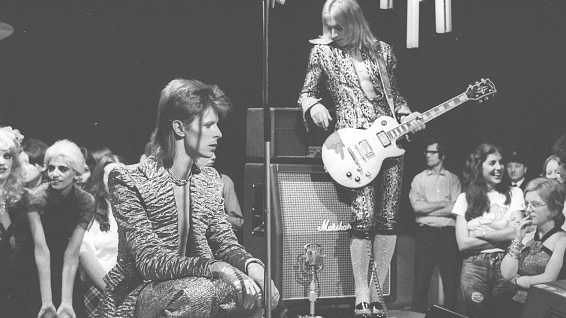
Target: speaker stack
[{"x": 307, "y": 207}]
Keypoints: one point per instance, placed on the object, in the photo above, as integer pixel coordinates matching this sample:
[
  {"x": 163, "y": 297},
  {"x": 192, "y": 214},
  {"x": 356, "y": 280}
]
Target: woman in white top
[
  {"x": 99, "y": 248},
  {"x": 485, "y": 214}
]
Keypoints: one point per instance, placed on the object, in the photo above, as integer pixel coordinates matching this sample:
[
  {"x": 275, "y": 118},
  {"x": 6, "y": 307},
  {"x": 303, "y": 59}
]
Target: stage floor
[{"x": 347, "y": 314}]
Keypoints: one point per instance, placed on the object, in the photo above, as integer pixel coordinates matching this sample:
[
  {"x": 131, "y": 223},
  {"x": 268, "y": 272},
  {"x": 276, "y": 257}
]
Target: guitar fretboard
[{"x": 428, "y": 115}]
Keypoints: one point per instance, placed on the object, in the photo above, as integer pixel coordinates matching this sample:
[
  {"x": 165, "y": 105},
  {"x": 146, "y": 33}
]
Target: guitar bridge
[{"x": 365, "y": 150}]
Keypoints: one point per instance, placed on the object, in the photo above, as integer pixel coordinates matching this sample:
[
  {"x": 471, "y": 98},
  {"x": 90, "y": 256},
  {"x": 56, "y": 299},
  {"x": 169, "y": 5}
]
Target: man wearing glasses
[{"x": 433, "y": 193}]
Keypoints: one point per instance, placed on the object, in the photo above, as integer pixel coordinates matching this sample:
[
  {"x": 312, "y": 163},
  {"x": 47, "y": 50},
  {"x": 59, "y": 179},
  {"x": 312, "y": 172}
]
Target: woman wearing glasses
[
  {"x": 485, "y": 214},
  {"x": 536, "y": 257}
]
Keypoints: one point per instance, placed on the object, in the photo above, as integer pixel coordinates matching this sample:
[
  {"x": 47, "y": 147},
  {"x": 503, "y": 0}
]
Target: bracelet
[
  {"x": 252, "y": 260},
  {"x": 515, "y": 248}
]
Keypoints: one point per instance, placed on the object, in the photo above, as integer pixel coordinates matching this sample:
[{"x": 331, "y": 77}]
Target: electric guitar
[{"x": 353, "y": 157}]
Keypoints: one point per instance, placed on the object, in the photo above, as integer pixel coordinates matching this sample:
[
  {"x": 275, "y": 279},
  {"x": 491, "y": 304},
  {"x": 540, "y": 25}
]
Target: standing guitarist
[{"x": 357, "y": 71}]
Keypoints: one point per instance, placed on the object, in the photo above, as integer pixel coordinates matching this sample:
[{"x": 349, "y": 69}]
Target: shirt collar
[{"x": 441, "y": 172}]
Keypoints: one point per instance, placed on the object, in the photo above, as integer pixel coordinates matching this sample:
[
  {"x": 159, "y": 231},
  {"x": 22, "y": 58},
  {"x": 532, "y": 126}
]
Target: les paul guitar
[{"x": 353, "y": 157}]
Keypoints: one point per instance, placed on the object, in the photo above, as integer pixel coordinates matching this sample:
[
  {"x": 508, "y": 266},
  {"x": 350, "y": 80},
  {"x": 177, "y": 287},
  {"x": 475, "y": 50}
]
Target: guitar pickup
[{"x": 385, "y": 141}]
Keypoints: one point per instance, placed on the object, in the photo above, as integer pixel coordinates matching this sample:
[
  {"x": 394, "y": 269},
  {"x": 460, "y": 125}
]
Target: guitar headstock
[{"x": 481, "y": 90}]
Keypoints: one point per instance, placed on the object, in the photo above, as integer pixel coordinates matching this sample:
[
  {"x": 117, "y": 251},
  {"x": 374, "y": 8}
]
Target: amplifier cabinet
[
  {"x": 547, "y": 300},
  {"x": 289, "y": 137},
  {"x": 306, "y": 208}
]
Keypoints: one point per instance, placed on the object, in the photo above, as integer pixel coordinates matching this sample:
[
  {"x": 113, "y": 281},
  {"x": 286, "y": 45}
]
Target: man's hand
[
  {"x": 320, "y": 116},
  {"x": 257, "y": 273},
  {"x": 418, "y": 123},
  {"x": 249, "y": 293}
]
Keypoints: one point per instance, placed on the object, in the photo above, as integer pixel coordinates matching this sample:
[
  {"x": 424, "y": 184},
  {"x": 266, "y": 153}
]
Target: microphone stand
[
  {"x": 267, "y": 158},
  {"x": 311, "y": 263}
]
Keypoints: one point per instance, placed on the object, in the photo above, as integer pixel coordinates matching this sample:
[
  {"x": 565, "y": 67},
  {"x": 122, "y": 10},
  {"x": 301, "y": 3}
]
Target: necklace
[{"x": 177, "y": 181}]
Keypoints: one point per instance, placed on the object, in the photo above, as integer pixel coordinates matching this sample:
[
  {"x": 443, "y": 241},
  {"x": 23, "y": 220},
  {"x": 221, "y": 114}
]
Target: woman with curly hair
[
  {"x": 59, "y": 213},
  {"x": 100, "y": 243},
  {"x": 13, "y": 226},
  {"x": 485, "y": 214}
]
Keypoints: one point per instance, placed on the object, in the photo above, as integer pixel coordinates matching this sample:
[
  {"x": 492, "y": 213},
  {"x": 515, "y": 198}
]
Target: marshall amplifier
[
  {"x": 289, "y": 137},
  {"x": 307, "y": 208},
  {"x": 547, "y": 300}
]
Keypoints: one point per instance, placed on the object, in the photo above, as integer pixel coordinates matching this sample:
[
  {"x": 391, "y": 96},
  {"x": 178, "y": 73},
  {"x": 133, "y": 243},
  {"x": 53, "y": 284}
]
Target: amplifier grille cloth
[{"x": 308, "y": 200}]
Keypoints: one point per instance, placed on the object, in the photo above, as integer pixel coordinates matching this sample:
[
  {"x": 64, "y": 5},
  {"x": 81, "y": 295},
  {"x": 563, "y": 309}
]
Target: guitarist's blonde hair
[{"x": 357, "y": 28}]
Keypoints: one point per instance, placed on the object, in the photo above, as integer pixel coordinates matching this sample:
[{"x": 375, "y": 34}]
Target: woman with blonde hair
[
  {"x": 550, "y": 168},
  {"x": 14, "y": 232},
  {"x": 59, "y": 213}
]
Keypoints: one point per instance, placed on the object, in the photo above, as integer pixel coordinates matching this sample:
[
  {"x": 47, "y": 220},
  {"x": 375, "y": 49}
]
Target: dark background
[{"x": 91, "y": 71}]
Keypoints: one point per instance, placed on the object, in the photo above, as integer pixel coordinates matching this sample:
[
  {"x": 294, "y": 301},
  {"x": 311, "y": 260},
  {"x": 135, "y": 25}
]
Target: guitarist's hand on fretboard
[{"x": 418, "y": 123}]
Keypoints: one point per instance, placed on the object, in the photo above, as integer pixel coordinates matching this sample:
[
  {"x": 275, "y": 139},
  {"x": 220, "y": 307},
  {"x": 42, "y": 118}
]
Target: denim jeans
[
  {"x": 484, "y": 291},
  {"x": 436, "y": 246}
]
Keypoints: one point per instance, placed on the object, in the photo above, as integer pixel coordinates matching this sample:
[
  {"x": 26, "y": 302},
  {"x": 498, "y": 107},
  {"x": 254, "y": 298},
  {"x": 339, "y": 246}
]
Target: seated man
[{"x": 177, "y": 254}]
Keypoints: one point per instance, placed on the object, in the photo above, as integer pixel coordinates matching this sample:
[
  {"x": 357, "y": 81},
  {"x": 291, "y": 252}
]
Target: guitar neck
[{"x": 429, "y": 115}]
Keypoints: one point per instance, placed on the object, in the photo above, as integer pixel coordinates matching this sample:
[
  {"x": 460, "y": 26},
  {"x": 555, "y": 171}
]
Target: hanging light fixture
[
  {"x": 386, "y": 4},
  {"x": 5, "y": 30},
  {"x": 413, "y": 8},
  {"x": 443, "y": 15},
  {"x": 443, "y": 12}
]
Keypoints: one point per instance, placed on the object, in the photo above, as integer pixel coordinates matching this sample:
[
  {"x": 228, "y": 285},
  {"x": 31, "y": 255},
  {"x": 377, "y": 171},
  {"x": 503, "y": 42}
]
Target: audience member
[
  {"x": 559, "y": 150},
  {"x": 178, "y": 255},
  {"x": 99, "y": 248},
  {"x": 231, "y": 204},
  {"x": 485, "y": 214},
  {"x": 550, "y": 168},
  {"x": 32, "y": 162},
  {"x": 537, "y": 257},
  {"x": 149, "y": 148},
  {"x": 516, "y": 168},
  {"x": 59, "y": 213},
  {"x": 15, "y": 240},
  {"x": 433, "y": 193},
  {"x": 89, "y": 164}
]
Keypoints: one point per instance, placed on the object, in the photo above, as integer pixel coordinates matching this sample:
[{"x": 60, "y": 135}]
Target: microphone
[
  {"x": 313, "y": 258},
  {"x": 312, "y": 261}
]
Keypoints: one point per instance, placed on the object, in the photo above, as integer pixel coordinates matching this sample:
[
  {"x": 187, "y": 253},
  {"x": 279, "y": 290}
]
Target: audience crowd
[{"x": 59, "y": 237}]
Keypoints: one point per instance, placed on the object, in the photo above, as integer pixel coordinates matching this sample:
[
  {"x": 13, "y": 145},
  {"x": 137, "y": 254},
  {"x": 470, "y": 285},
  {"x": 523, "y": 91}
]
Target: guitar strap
[{"x": 386, "y": 84}]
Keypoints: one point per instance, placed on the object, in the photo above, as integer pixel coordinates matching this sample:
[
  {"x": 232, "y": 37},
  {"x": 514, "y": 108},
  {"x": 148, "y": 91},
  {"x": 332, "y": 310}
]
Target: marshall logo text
[{"x": 333, "y": 227}]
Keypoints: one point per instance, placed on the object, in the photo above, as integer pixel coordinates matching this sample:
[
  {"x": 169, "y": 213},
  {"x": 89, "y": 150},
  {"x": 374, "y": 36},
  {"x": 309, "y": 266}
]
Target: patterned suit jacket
[
  {"x": 331, "y": 67},
  {"x": 144, "y": 206}
]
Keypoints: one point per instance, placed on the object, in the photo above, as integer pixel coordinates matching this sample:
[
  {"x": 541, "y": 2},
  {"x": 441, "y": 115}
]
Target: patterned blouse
[{"x": 333, "y": 66}]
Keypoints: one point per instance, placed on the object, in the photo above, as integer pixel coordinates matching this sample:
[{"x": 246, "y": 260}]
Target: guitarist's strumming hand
[
  {"x": 418, "y": 123},
  {"x": 320, "y": 116}
]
